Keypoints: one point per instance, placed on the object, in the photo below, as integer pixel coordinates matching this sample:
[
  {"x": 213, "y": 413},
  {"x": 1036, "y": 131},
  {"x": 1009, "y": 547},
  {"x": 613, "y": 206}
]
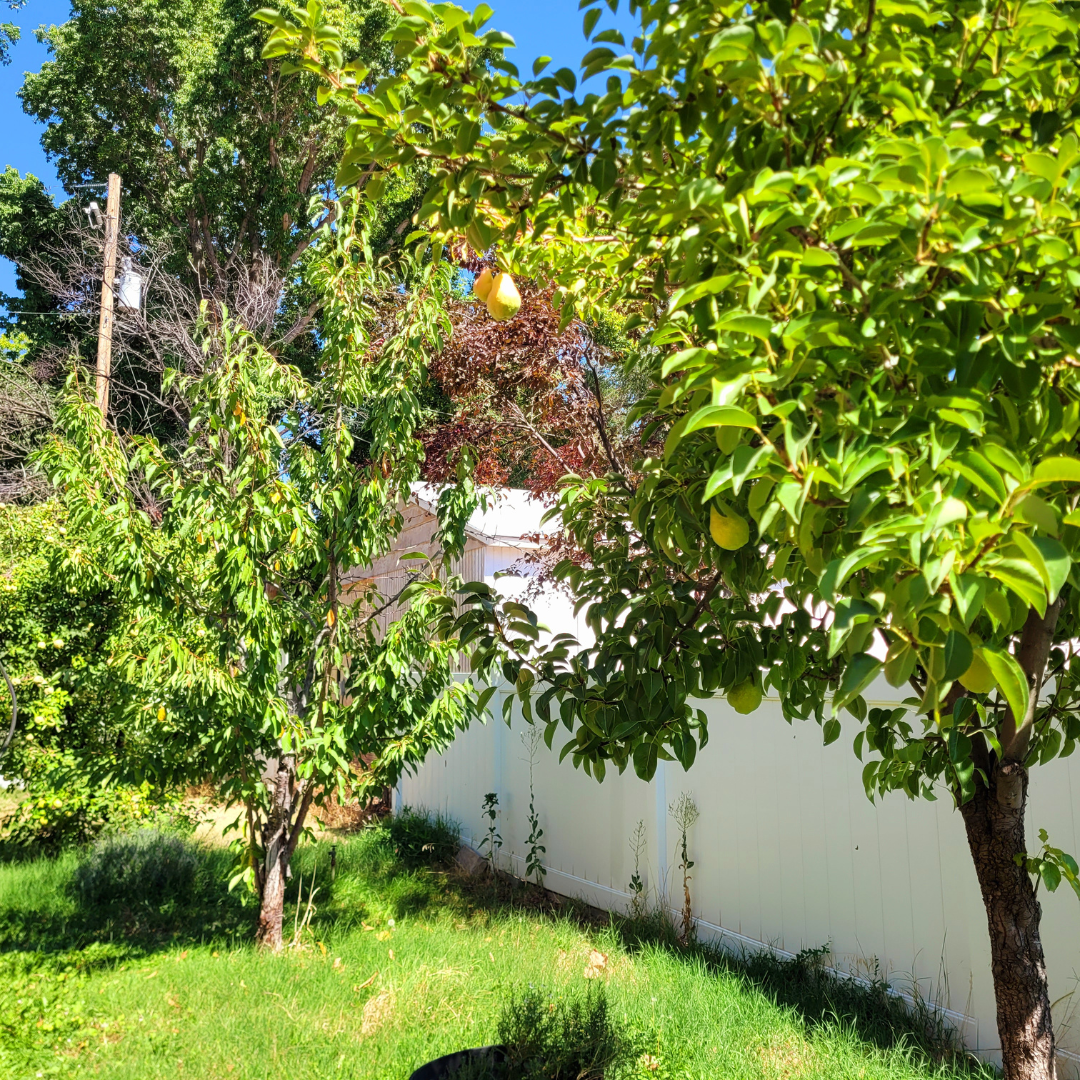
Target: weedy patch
[{"x": 377, "y": 1013}]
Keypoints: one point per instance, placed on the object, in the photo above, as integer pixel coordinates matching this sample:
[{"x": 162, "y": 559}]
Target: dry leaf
[
  {"x": 595, "y": 967},
  {"x": 368, "y": 981},
  {"x": 382, "y": 935}
]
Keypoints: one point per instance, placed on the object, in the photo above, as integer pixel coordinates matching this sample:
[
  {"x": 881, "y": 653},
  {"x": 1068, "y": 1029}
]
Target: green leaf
[
  {"x": 484, "y": 698},
  {"x": 1057, "y": 562},
  {"x": 740, "y": 322},
  {"x": 603, "y": 173},
  {"x": 1009, "y": 677},
  {"x": 900, "y": 663},
  {"x": 1036, "y": 511},
  {"x": 968, "y": 591},
  {"x": 566, "y": 79},
  {"x": 839, "y": 570},
  {"x": 720, "y": 416},
  {"x": 1057, "y": 470},
  {"x": 858, "y": 674},
  {"x": 1048, "y": 558},
  {"x": 1050, "y": 874},
  {"x": 974, "y": 467},
  {"x": 645, "y": 760},
  {"x": 1022, "y": 579},
  {"x": 958, "y": 656}
]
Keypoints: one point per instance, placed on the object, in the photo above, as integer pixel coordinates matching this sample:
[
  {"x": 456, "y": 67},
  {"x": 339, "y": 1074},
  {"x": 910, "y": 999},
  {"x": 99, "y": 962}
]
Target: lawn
[{"x": 403, "y": 961}]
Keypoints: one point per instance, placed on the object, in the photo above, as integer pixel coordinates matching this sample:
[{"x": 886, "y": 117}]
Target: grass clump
[
  {"x": 548, "y": 1037},
  {"x": 422, "y": 839},
  {"x": 147, "y": 866}
]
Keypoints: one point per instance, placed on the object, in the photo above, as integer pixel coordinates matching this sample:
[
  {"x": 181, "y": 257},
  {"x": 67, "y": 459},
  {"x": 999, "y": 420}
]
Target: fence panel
[{"x": 789, "y": 852}]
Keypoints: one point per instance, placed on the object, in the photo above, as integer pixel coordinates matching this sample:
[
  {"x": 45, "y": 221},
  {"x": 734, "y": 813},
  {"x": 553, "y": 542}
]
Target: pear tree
[{"x": 848, "y": 233}]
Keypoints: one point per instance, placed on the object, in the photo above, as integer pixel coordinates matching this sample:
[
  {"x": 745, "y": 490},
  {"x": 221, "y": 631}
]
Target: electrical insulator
[{"x": 129, "y": 294}]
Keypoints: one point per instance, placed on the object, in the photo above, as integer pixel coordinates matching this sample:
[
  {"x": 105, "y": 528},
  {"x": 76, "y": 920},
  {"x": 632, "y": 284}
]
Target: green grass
[{"x": 138, "y": 993}]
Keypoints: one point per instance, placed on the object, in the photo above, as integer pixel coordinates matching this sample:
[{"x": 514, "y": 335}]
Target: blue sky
[{"x": 540, "y": 28}]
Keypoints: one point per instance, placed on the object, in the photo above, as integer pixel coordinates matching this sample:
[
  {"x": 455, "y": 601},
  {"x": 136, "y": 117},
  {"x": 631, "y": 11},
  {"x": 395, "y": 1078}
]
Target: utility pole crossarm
[{"x": 105, "y": 326}]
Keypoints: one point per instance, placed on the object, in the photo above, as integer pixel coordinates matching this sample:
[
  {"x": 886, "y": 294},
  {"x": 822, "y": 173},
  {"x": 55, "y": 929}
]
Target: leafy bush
[
  {"x": 421, "y": 839},
  {"x": 550, "y": 1038},
  {"x": 58, "y": 639},
  {"x": 56, "y": 642},
  {"x": 76, "y": 811},
  {"x": 147, "y": 866}
]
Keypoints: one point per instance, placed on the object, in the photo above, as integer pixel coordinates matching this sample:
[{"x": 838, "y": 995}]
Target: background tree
[
  {"x": 265, "y": 667},
  {"x": 533, "y": 401},
  {"x": 56, "y": 643},
  {"x": 9, "y": 32},
  {"x": 227, "y": 167},
  {"x": 850, "y": 229}
]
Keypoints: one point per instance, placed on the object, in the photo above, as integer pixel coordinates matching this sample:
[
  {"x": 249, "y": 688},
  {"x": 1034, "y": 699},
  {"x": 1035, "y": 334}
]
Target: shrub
[
  {"x": 551, "y": 1038},
  {"x": 421, "y": 839},
  {"x": 63, "y": 813},
  {"x": 147, "y": 866}
]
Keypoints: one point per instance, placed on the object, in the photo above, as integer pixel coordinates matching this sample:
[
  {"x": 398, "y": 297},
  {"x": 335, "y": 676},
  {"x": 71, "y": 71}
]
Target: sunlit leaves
[
  {"x": 858, "y": 288},
  {"x": 243, "y": 555}
]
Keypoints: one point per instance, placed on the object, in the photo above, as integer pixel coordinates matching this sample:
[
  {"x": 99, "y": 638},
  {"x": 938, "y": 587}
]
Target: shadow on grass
[
  {"x": 41, "y": 914},
  {"x": 400, "y": 871},
  {"x": 391, "y": 868}
]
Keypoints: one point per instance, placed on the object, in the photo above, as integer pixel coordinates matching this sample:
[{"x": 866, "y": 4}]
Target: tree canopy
[
  {"x": 848, "y": 231},
  {"x": 258, "y": 659}
]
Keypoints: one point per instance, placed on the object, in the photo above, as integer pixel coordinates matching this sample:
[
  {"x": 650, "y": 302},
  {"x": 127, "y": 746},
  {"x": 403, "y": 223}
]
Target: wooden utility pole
[{"x": 105, "y": 326}]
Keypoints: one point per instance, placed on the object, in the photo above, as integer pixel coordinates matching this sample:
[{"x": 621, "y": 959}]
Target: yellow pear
[
  {"x": 482, "y": 284},
  {"x": 745, "y": 697},
  {"x": 503, "y": 300},
  {"x": 978, "y": 678},
  {"x": 729, "y": 532}
]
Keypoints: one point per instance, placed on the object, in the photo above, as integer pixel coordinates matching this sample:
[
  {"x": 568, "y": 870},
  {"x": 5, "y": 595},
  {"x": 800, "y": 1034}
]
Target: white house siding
[
  {"x": 788, "y": 852},
  {"x": 485, "y": 558}
]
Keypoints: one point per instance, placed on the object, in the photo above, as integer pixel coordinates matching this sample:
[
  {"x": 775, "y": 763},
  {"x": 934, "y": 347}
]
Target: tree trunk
[
  {"x": 276, "y": 853},
  {"x": 994, "y": 819}
]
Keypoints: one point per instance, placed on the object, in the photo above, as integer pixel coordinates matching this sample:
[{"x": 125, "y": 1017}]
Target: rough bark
[
  {"x": 994, "y": 820},
  {"x": 276, "y": 853}
]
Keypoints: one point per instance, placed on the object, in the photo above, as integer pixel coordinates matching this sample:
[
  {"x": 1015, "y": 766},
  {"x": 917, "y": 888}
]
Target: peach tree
[
  {"x": 847, "y": 233},
  {"x": 255, "y": 639}
]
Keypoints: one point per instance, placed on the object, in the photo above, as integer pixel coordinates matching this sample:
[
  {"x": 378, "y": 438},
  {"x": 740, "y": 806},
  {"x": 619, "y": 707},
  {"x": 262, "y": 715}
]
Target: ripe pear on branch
[
  {"x": 482, "y": 284},
  {"x": 503, "y": 300},
  {"x": 728, "y": 529}
]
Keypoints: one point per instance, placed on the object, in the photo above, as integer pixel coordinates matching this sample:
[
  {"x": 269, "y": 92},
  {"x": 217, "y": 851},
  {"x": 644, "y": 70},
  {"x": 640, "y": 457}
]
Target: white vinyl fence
[{"x": 789, "y": 853}]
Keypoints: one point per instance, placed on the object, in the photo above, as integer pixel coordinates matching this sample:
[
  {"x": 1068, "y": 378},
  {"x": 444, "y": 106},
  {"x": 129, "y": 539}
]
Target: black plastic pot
[{"x": 446, "y": 1067}]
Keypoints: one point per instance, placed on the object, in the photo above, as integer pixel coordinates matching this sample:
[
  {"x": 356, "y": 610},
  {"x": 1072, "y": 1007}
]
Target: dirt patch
[
  {"x": 787, "y": 1058},
  {"x": 377, "y": 1012}
]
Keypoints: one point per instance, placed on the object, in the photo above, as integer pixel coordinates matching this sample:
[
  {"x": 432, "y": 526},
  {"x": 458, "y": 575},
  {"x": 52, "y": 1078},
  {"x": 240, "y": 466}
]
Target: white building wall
[{"x": 789, "y": 852}]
